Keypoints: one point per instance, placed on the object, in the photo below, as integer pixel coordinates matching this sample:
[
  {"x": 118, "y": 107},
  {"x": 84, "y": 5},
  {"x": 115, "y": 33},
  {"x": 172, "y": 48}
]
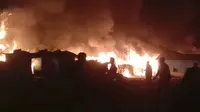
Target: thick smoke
[
  {"x": 52, "y": 25},
  {"x": 100, "y": 25},
  {"x": 21, "y": 28}
]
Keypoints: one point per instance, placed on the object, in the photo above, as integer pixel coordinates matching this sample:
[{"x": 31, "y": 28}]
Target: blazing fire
[
  {"x": 138, "y": 62},
  {"x": 35, "y": 64},
  {"x": 5, "y": 48}
]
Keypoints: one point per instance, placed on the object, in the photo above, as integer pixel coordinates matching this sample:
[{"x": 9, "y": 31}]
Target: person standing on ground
[
  {"x": 148, "y": 72},
  {"x": 163, "y": 85},
  {"x": 164, "y": 75}
]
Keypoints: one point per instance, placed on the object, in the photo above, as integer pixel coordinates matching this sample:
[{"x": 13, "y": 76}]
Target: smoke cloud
[{"x": 100, "y": 25}]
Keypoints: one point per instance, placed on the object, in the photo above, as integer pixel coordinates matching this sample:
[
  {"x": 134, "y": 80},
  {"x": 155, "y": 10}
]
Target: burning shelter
[
  {"x": 64, "y": 60},
  {"x": 19, "y": 62},
  {"x": 46, "y": 62},
  {"x": 42, "y": 62}
]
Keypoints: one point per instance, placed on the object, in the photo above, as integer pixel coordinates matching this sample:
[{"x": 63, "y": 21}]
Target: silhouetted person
[
  {"x": 190, "y": 87},
  {"x": 80, "y": 80},
  {"x": 148, "y": 72},
  {"x": 80, "y": 71},
  {"x": 81, "y": 62},
  {"x": 163, "y": 83},
  {"x": 164, "y": 74},
  {"x": 192, "y": 77},
  {"x": 113, "y": 68},
  {"x": 191, "y": 73}
]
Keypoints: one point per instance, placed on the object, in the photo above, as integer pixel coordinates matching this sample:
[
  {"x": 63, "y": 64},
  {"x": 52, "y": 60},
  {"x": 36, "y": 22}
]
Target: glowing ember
[
  {"x": 2, "y": 31},
  {"x": 126, "y": 73},
  {"x": 35, "y": 65},
  {"x": 133, "y": 59},
  {"x": 32, "y": 67}
]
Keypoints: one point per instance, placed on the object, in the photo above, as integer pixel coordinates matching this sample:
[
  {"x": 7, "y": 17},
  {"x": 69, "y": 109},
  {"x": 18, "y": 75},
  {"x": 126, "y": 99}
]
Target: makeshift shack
[
  {"x": 52, "y": 63},
  {"x": 19, "y": 62}
]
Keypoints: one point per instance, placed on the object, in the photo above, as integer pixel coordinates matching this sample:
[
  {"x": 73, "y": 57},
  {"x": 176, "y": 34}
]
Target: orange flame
[
  {"x": 4, "y": 48},
  {"x": 32, "y": 67},
  {"x": 134, "y": 59},
  {"x": 126, "y": 73}
]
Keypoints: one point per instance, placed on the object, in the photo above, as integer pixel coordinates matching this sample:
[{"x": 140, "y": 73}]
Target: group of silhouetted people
[
  {"x": 190, "y": 80},
  {"x": 163, "y": 73},
  {"x": 189, "y": 87},
  {"x": 163, "y": 70},
  {"x": 76, "y": 86},
  {"x": 81, "y": 69},
  {"x": 191, "y": 76}
]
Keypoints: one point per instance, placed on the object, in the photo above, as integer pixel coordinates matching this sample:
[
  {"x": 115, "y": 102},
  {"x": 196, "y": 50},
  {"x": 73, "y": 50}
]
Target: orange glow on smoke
[{"x": 137, "y": 61}]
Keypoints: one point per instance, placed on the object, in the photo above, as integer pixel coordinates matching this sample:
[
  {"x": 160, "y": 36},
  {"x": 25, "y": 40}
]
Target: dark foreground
[{"x": 99, "y": 95}]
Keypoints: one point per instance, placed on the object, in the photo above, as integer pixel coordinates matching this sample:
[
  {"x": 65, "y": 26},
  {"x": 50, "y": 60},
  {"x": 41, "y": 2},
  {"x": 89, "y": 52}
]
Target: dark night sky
[{"x": 158, "y": 21}]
